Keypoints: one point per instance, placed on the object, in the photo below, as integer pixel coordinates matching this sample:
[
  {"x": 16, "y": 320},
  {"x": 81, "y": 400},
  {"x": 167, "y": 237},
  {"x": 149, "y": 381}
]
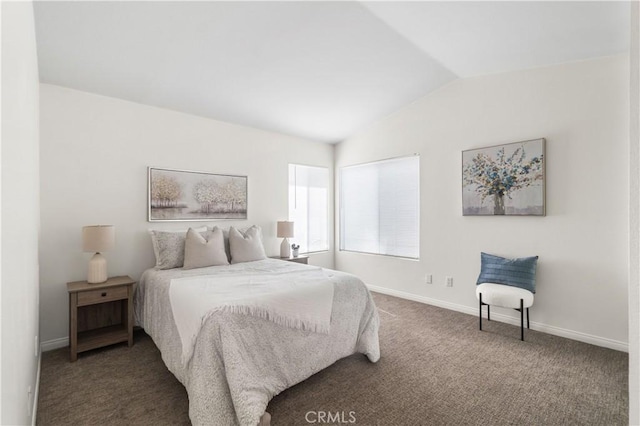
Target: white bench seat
[{"x": 505, "y": 296}]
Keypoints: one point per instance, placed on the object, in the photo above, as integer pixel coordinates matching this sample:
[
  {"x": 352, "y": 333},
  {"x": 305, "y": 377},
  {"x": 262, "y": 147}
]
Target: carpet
[{"x": 436, "y": 369}]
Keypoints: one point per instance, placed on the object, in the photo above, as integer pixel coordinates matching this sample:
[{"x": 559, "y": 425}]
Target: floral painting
[
  {"x": 178, "y": 195},
  {"x": 504, "y": 179}
]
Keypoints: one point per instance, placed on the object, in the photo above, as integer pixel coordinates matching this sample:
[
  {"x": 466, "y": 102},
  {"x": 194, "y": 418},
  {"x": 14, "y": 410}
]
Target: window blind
[
  {"x": 380, "y": 207},
  {"x": 308, "y": 206}
]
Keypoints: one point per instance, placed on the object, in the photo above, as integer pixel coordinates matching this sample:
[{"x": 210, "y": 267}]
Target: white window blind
[
  {"x": 308, "y": 207},
  {"x": 380, "y": 207}
]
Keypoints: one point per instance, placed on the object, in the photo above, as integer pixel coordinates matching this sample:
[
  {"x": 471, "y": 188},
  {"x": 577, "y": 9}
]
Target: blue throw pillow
[{"x": 514, "y": 272}]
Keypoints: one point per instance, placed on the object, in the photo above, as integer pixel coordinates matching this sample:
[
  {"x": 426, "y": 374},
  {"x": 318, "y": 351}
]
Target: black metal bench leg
[
  {"x": 488, "y": 312},
  {"x": 528, "y": 318},
  {"x": 521, "y": 319},
  {"x": 480, "y": 311}
]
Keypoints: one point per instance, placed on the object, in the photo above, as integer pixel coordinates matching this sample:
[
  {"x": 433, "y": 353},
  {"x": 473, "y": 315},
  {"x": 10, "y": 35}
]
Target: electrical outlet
[
  {"x": 428, "y": 279},
  {"x": 449, "y": 281}
]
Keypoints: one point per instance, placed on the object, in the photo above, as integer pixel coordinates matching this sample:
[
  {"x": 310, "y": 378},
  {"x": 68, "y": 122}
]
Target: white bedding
[
  {"x": 239, "y": 361},
  {"x": 299, "y": 299}
]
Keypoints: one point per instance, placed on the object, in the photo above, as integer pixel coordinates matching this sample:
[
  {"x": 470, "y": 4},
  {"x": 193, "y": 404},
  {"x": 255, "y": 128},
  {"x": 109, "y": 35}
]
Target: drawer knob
[{"x": 104, "y": 294}]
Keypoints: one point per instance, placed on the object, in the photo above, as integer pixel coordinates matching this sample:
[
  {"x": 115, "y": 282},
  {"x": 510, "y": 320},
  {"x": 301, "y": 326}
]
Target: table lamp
[
  {"x": 97, "y": 239},
  {"x": 285, "y": 230}
]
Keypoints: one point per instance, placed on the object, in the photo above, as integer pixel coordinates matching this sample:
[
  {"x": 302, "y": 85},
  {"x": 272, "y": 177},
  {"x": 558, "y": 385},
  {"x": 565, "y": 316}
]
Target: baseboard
[
  {"x": 549, "y": 329},
  {"x": 50, "y": 345},
  {"x": 34, "y": 409}
]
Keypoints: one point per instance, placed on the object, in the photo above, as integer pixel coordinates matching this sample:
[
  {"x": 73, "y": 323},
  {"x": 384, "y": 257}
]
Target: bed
[{"x": 240, "y": 361}]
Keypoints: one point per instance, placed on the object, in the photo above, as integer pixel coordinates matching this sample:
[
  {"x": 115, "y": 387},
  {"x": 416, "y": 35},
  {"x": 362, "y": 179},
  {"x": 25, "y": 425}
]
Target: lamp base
[
  {"x": 97, "y": 269},
  {"x": 285, "y": 248}
]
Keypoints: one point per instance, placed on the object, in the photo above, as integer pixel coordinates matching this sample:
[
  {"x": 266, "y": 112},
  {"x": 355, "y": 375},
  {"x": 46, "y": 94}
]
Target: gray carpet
[{"x": 436, "y": 369}]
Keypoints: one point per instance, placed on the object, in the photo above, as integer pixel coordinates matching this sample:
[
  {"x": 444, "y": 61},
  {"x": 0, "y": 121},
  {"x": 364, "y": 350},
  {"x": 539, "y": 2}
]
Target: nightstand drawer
[{"x": 92, "y": 297}]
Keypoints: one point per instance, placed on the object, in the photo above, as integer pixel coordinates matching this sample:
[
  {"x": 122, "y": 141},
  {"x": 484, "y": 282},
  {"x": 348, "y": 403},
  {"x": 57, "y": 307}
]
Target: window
[
  {"x": 309, "y": 207},
  {"x": 380, "y": 207}
]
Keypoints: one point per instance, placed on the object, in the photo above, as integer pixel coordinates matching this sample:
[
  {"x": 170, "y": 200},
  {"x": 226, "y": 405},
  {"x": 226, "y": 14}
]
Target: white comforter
[
  {"x": 239, "y": 361},
  {"x": 300, "y": 299}
]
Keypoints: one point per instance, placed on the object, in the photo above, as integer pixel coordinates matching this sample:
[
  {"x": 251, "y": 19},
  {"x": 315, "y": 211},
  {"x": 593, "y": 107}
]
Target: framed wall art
[
  {"x": 181, "y": 195},
  {"x": 504, "y": 179}
]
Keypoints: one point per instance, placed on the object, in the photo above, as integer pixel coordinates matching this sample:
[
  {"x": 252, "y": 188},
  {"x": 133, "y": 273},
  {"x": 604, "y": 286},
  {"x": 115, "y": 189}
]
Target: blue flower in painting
[{"x": 502, "y": 175}]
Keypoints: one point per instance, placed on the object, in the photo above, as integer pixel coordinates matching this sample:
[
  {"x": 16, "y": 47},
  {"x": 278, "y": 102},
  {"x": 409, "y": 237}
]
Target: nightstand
[
  {"x": 299, "y": 259},
  {"x": 100, "y": 314}
]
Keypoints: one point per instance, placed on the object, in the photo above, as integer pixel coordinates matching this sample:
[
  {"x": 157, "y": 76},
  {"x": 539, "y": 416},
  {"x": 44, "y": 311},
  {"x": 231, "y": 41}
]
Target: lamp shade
[
  {"x": 285, "y": 229},
  {"x": 99, "y": 238}
]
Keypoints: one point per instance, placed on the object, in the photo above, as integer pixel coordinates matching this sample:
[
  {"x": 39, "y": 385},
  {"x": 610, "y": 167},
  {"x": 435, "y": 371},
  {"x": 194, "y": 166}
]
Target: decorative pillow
[
  {"x": 202, "y": 250},
  {"x": 225, "y": 235},
  {"x": 246, "y": 246},
  {"x": 168, "y": 247},
  {"x": 514, "y": 272}
]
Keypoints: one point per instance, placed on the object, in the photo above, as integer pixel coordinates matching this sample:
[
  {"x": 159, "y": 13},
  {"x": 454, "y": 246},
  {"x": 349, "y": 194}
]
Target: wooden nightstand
[
  {"x": 299, "y": 259},
  {"x": 100, "y": 314}
]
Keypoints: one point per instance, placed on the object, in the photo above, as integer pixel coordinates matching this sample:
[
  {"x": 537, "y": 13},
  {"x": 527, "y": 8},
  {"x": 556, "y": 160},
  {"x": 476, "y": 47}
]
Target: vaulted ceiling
[{"x": 317, "y": 70}]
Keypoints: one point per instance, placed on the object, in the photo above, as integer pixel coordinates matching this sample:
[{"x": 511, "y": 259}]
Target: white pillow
[
  {"x": 202, "y": 250},
  {"x": 246, "y": 246},
  {"x": 225, "y": 235},
  {"x": 168, "y": 246}
]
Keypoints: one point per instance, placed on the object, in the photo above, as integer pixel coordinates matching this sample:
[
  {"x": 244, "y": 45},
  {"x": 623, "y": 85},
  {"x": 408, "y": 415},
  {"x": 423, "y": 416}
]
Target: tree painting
[
  {"x": 508, "y": 179},
  {"x": 183, "y": 195},
  {"x": 214, "y": 197},
  {"x": 235, "y": 195},
  {"x": 165, "y": 192},
  {"x": 207, "y": 193}
]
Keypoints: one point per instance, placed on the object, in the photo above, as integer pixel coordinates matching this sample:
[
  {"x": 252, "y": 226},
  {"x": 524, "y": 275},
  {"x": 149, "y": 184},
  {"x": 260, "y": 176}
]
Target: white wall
[
  {"x": 95, "y": 153},
  {"x": 582, "y": 110},
  {"x": 20, "y": 213},
  {"x": 634, "y": 220}
]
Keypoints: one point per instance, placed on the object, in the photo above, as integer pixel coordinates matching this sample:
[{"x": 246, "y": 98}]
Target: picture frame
[
  {"x": 505, "y": 180},
  {"x": 189, "y": 196}
]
